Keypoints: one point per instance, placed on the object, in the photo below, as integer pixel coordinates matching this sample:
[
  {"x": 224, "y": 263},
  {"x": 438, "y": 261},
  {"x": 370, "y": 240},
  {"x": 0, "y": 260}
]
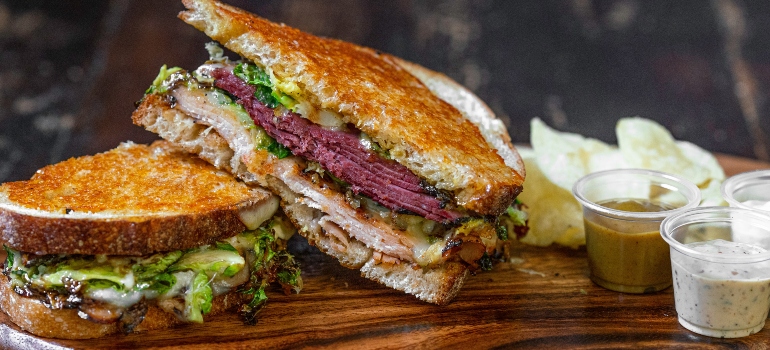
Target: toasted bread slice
[
  {"x": 374, "y": 92},
  {"x": 133, "y": 200},
  {"x": 34, "y": 317}
]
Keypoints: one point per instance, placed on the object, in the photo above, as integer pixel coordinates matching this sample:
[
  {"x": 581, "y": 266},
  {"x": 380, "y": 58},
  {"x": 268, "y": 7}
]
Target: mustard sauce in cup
[{"x": 622, "y": 213}]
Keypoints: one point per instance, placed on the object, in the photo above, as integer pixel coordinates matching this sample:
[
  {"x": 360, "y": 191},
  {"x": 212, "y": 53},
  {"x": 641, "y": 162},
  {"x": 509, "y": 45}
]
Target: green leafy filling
[
  {"x": 159, "y": 84},
  {"x": 265, "y": 93},
  {"x": 154, "y": 265},
  {"x": 251, "y": 74},
  {"x": 10, "y": 255},
  {"x": 198, "y": 298},
  {"x": 485, "y": 263},
  {"x": 258, "y": 78},
  {"x": 278, "y": 149},
  {"x": 271, "y": 262},
  {"x": 155, "y": 274},
  {"x": 517, "y": 216},
  {"x": 502, "y": 232}
]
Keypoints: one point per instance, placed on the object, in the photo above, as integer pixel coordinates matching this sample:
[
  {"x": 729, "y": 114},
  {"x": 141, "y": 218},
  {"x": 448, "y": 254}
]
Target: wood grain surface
[{"x": 542, "y": 299}]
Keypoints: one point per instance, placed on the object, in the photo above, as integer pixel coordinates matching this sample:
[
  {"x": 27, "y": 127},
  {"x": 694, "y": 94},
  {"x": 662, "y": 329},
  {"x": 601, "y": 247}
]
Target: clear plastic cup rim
[
  {"x": 693, "y": 197},
  {"x": 730, "y": 185},
  {"x": 672, "y": 222}
]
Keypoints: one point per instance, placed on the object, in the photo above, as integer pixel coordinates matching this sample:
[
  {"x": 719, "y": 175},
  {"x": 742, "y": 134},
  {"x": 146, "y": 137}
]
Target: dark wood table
[{"x": 541, "y": 299}]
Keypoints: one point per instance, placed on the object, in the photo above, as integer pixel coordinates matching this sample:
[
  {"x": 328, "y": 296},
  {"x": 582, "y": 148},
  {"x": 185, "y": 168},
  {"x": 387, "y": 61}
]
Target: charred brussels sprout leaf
[
  {"x": 102, "y": 284},
  {"x": 272, "y": 263},
  {"x": 226, "y": 246},
  {"x": 198, "y": 298},
  {"x": 82, "y": 270},
  {"x": 227, "y": 262},
  {"x": 502, "y": 233},
  {"x": 161, "y": 283},
  {"x": 155, "y": 264},
  {"x": 9, "y": 257},
  {"x": 259, "y": 79},
  {"x": 485, "y": 263},
  {"x": 158, "y": 85},
  {"x": 290, "y": 278},
  {"x": 518, "y": 217},
  {"x": 278, "y": 150}
]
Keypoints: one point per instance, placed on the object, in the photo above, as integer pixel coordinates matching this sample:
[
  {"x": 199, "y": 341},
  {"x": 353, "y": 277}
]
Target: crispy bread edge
[{"x": 41, "y": 235}]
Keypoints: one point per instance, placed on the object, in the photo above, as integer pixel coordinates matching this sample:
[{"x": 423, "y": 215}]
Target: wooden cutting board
[{"x": 542, "y": 300}]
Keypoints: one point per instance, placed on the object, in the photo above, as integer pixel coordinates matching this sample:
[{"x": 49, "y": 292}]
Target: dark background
[{"x": 72, "y": 70}]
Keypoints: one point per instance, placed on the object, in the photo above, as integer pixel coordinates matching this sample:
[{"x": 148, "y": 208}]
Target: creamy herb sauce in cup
[
  {"x": 720, "y": 259},
  {"x": 721, "y": 300}
]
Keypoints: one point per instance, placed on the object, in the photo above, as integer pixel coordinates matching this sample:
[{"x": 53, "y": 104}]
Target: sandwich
[
  {"x": 137, "y": 238},
  {"x": 391, "y": 168}
]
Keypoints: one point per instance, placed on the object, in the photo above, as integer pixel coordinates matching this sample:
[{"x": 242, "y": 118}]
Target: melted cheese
[{"x": 114, "y": 297}]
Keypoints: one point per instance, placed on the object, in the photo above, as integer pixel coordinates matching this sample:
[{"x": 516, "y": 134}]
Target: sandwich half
[
  {"x": 137, "y": 238},
  {"x": 391, "y": 168}
]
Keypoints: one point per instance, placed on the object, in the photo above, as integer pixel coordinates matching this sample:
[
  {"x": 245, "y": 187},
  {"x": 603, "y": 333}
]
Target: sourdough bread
[{"x": 133, "y": 200}]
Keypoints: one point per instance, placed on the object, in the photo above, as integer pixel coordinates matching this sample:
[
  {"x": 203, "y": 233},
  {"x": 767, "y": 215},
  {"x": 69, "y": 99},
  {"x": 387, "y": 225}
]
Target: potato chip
[
  {"x": 558, "y": 159},
  {"x": 646, "y": 144},
  {"x": 702, "y": 158},
  {"x": 711, "y": 194},
  {"x": 606, "y": 160},
  {"x": 554, "y": 214},
  {"x": 563, "y": 157}
]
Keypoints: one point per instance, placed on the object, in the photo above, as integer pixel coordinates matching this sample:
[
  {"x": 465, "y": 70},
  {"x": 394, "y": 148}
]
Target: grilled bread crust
[
  {"x": 34, "y": 317},
  {"x": 133, "y": 200},
  {"x": 378, "y": 95},
  {"x": 472, "y": 108}
]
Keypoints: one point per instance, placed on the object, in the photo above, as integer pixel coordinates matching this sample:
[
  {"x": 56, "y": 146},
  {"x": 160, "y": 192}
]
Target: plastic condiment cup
[
  {"x": 721, "y": 274},
  {"x": 625, "y": 250},
  {"x": 750, "y": 190}
]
